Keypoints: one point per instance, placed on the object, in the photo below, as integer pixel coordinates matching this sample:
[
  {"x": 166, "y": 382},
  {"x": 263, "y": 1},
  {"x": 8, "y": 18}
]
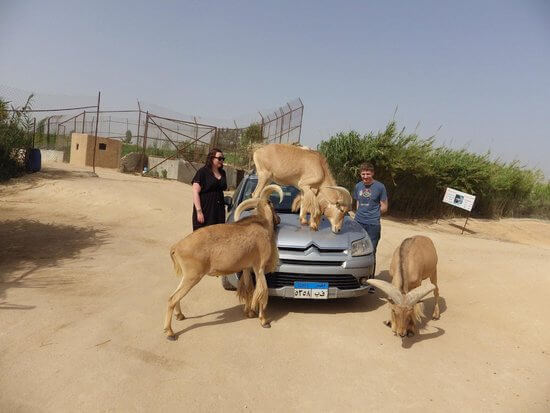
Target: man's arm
[{"x": 383, "y": 206}]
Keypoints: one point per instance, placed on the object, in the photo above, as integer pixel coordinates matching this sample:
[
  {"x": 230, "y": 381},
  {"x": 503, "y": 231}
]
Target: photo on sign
[{"x": 458, "y": 199}]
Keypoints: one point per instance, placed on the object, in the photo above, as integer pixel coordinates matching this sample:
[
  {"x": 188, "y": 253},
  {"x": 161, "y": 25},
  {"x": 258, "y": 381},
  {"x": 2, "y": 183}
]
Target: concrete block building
[{"x": 107, "y": 151}]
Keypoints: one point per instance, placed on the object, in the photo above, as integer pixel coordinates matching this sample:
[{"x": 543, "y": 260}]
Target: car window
[{"x": 289, "y": 192}]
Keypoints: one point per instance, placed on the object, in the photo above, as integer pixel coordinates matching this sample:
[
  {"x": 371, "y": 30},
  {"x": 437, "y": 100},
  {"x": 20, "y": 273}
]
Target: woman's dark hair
[{"x": 211, "y": 155}]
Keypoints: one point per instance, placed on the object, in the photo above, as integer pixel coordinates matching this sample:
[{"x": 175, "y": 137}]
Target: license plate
[{"x": 311, "y": 290}]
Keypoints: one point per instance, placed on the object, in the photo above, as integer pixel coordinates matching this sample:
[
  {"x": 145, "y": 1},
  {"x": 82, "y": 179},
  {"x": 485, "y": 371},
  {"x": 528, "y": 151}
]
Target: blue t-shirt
[{"x": 369, "y": 197}]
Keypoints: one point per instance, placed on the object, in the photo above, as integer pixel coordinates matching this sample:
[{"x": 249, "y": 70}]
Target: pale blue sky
[{"x": 479, "y": 69}]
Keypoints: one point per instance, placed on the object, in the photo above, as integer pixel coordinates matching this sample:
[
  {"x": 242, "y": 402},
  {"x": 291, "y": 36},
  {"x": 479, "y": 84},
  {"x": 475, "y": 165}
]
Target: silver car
[{"x": 313, "y": 264}]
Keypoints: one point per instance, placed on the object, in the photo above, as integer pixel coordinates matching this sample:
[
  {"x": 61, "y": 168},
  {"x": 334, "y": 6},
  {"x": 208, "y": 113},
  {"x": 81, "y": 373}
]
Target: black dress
[{"x": 211, "y": 196}]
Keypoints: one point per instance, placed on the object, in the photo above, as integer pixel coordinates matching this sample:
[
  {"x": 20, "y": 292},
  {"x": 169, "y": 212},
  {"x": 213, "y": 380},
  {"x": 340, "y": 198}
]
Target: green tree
[
  {"x": 14, "y": 136},
  {"x": 252, "y": 134},
  {"x": 128, "y": 137}
]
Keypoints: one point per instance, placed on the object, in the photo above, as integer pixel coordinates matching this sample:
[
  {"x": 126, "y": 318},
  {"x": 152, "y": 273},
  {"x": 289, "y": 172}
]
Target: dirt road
[{"x": 85, "y": 275}]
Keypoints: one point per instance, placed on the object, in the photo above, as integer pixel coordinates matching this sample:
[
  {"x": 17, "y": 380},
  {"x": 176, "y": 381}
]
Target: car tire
[{"x": 227, "y": 285}]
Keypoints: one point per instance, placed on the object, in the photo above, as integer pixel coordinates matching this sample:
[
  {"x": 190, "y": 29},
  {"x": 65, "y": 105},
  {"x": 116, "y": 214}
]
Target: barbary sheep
[
  {"x": 223, "y": 249},
  {"x": 413, "y": 261},
  {"x": 308, "y": 171}
]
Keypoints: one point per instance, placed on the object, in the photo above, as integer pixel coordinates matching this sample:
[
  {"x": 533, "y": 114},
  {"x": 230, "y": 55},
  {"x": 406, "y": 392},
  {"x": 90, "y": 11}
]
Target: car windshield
[{"x": 290, "y": 193}]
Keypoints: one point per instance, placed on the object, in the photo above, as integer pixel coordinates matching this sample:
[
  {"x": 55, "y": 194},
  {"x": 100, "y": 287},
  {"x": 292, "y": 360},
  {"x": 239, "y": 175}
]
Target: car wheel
[{"x": 227, "y": 285}]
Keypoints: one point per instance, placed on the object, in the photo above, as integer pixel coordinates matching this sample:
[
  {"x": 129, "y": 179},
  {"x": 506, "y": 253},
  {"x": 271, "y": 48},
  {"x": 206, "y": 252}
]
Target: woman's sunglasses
[{"x": 219, "y": 158}]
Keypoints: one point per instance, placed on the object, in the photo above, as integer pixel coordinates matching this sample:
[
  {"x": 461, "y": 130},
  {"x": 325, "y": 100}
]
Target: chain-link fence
[{"x": 151, "y": 129}]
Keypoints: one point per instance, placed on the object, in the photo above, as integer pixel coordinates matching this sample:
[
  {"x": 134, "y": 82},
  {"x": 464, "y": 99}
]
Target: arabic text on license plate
[{"x": 312, "y": 290}]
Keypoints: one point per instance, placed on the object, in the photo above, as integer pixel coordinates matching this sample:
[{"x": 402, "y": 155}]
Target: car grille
[
  {"x": 323, "y": 250},
  {"x": 344, "y": 281},
  {"x": 306, "y": 262}
]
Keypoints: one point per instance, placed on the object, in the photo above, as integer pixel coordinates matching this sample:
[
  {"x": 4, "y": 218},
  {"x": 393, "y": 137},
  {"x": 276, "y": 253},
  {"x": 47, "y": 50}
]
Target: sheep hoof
[
  {"x": 172, "y": 337},
  {"x": 387, "y": 323},
  {"x": 266, "y": 325},
  {"x": 410, "y": 334},
  {"x": 180, "y": 317}
]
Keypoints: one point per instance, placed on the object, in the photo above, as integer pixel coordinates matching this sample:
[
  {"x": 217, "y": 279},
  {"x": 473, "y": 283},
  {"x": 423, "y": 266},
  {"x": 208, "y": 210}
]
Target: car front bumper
[{"x": 357, "y": 268}]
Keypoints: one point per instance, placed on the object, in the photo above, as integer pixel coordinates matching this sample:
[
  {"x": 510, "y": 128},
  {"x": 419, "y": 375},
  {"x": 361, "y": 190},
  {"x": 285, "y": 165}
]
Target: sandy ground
[{"x": 85, "y": 275}]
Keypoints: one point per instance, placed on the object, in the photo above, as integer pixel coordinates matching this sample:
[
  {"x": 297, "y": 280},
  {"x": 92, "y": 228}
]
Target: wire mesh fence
[{"x": 151, "y": 129}]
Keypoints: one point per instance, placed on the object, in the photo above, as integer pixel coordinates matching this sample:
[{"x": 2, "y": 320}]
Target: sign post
[{"x": 460, "y": 199}]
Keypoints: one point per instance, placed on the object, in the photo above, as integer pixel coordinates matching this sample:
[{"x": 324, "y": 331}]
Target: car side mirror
[{"x": 227, "y": 200}]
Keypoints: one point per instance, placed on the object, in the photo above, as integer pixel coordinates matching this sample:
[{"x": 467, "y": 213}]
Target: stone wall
[{"x": 184, "y": 171}]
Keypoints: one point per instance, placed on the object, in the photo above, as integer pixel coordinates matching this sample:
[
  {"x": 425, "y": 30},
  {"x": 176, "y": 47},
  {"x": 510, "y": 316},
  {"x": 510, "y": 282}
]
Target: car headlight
[{"x": 361, "y": 247}]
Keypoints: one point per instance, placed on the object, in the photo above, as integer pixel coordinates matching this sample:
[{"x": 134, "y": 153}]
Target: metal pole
[
  {"x": 96, "y": 123},
  {"x": 467, "y": 218},
  {"x": 139, "y": 124},
  {"x": 289, "y": 123},
  {"x": 440, "y": 212},
  {"x": 282, "y": 121},
  {"x": 33, "y": 131},
  {"x": 144, "y": 141},
  {"x": 301, "y": 118},
  {"x": 83, "y": 120}
]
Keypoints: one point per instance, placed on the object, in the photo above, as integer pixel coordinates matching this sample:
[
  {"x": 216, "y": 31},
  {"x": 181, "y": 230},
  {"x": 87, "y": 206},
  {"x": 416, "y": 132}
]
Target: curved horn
[
  {"x": 344, "y": 192},
  {"x": 390, "y": 290},
  {"x": 418, "y": 293},
  {"x": 245, "y": 205},
  {"x": 268, "y": 190}
]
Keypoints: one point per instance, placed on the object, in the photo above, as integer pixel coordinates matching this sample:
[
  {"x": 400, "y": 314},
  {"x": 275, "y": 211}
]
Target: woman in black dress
[{"x": 208, "y": 186}]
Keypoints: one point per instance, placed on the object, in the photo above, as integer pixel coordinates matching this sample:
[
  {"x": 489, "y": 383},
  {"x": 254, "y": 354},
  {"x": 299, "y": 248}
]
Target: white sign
[{"x": 459, "y": 199}]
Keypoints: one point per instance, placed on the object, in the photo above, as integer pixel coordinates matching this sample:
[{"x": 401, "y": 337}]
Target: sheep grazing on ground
[
  {"x": 248, "y": 244},
  {"x": 308, "y": 171},
  {"x": 413, "y": 261}
]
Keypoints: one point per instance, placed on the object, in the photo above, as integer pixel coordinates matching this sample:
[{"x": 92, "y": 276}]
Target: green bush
[
  {"x": 416, "y": 175},
  {"x": 15, "y": 139}
]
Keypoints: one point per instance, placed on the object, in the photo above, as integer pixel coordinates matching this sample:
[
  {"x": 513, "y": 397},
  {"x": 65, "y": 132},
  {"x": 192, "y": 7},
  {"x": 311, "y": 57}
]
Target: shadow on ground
[
  {"x": 462, "y": 228},
  {"x": 228, "y": 315},
  {"x": 26, "y": 246},
  {"x": 278, "y": 307}
]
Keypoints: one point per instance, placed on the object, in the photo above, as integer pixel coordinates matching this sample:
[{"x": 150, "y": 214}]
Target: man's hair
[{"x": 366, "y": 167}]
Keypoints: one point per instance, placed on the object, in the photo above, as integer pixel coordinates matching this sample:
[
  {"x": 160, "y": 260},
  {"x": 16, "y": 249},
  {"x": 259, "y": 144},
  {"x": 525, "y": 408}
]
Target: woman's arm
[{"x": 197, "y": 202}]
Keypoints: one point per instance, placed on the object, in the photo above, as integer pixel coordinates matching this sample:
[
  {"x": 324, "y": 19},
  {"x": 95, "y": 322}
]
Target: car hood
[{"x": 293, "y": 235}]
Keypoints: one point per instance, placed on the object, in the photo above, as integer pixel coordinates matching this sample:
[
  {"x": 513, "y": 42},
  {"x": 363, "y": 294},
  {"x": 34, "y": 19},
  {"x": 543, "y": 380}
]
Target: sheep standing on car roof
[{"x": 308, "y": 171}]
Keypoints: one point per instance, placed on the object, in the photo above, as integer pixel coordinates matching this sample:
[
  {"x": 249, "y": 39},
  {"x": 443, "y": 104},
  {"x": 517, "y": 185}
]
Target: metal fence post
[{"x": 96, "y": 123}]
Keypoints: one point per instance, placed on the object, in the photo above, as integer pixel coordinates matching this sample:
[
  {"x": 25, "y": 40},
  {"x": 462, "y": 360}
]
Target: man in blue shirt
[{"x": 372, "y": 201}]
